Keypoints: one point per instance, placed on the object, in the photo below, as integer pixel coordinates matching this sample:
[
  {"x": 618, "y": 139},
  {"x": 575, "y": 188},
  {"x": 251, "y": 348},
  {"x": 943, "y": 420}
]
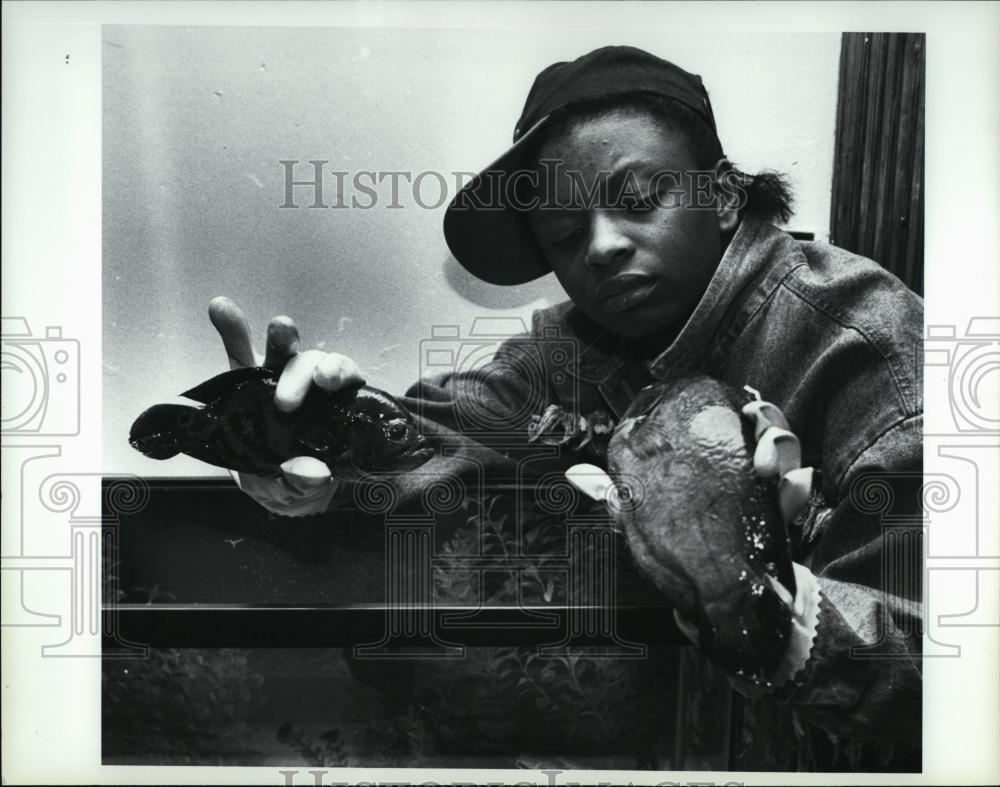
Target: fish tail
[{"x": 165, "y": 430}]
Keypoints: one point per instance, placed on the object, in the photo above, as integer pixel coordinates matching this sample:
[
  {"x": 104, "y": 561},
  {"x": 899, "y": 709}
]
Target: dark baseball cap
[{"x": 492, "y": 239}]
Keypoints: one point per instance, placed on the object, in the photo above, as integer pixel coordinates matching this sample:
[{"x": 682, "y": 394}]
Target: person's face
[{"x": 636, "y": 268}]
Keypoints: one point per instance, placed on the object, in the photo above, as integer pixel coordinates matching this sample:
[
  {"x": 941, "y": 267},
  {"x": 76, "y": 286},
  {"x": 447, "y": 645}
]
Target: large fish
[
  {"x": 237, "y": 426},
  {"x": 700, "y": 524}
]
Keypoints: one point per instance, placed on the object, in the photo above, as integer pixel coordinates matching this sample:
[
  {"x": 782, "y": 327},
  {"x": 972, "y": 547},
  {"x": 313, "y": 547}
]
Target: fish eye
[{"x": 397, "y": 430}]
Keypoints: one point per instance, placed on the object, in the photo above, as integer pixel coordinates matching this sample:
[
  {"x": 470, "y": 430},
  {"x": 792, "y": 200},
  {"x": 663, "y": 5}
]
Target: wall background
[{"x": 196, "y": 120}]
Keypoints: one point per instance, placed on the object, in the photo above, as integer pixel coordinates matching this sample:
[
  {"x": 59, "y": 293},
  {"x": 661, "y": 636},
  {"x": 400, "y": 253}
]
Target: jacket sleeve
[
  {"x": 477, "y": 421},
  {"x": 863, "y": 675},
  {"x": 492, "y": 402}
]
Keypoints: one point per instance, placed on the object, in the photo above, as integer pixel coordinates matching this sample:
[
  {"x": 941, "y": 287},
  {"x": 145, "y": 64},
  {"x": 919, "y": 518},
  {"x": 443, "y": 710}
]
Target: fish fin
[
  {"x": 163, "y": 430},
  {"x": 221, "y": 384}
]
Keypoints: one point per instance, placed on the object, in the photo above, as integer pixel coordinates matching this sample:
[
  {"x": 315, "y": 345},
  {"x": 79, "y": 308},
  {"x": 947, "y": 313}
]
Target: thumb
[
  {"x": 306, "y": 472},
  {"x": 778, "y": 451}
]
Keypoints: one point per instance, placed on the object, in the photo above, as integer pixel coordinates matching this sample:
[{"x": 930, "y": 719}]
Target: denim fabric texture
[{"x": 833, "y": 340}]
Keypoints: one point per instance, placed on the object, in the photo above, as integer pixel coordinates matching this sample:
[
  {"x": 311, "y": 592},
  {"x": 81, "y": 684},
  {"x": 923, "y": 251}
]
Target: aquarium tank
[{"x": 489, "y": 628}]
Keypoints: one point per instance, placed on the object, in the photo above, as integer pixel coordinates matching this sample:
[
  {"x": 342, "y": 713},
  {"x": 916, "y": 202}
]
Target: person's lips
[{"x": 624, "y": 291}]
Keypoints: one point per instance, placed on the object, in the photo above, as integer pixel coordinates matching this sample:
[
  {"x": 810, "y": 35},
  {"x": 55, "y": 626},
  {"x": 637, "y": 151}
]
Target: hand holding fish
[
  {"x": 703, "y": 497},
  {"x": 293, "y": 429},
  {"x": 299, "y": 370},
  {"x": 305, "y": 485}
]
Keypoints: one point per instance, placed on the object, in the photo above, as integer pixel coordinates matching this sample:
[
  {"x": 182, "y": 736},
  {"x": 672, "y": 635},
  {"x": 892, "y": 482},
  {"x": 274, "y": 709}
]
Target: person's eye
[
  {"x": 670, "y": 198},
  {"x": 568, "y": 240},
  {"x": 641, "y": 204},
  {"x": 650, "y": 200}
]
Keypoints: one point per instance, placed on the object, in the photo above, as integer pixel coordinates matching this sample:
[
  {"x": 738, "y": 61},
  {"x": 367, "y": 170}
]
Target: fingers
[
  {"x": 305, "y": 472},
  {"x": 330, "y": 371},
  {"x": 285, "y": 495},
  {"x": 296, "y": 380},
  {"x": 794, "y": 489},
  {"x": 282, "y": 342},
  {"x": 335, "y": 371},
  {"x": 777, "y": 452},
  {"x": 779, "y": 455},
  {"x": 591, "y": 480},
  {"x": 764, "y": 415},
  {"x": 232, "y": 325},
  {"x": 234, "y": 329}
]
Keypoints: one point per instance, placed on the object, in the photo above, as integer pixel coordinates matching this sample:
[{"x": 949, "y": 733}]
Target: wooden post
[{"x": 877, "y": 206}]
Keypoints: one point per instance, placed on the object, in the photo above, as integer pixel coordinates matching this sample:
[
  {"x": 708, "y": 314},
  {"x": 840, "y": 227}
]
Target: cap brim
[{"x": 489, "y": 238}]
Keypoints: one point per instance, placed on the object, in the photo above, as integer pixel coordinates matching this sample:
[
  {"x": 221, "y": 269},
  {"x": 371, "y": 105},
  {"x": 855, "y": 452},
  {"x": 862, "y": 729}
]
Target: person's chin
[
  {"x": 639, "y": 330},
  {"x": 635, "y": 323},
  {"x": 651, "y": 327},
  {"x": 647, "y": 318}
]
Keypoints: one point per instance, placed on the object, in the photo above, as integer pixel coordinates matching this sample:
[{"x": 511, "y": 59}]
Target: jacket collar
[{"x": 758, "y": 257}]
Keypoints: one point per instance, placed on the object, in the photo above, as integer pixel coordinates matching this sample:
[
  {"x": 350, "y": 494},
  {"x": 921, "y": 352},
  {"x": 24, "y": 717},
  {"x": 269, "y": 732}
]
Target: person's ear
[{"x": 729, "y": 196}]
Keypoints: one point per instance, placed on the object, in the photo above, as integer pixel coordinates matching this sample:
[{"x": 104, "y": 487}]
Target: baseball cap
[{"x": 490, "y": 238}]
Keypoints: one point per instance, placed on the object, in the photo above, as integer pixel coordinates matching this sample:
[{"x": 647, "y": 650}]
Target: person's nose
[{"x": 609, "y": 244}]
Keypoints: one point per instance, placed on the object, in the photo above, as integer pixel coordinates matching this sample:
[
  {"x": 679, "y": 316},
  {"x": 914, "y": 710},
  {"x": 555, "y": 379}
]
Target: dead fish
[
  {"x": 353, "y": 431},
  {"x": 699, "y": 522}
]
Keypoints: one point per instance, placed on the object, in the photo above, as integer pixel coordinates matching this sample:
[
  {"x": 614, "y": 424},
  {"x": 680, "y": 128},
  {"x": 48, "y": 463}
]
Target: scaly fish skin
[{"x": 700, "y": 524}]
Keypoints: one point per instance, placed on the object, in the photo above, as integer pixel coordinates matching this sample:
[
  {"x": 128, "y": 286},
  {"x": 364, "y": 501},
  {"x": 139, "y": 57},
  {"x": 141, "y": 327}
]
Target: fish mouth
[
  {"x": 149, "y": 445},
  {"x": 624, "y": 291},
  {"x": 422, "y": 451},
  {"x": 413, "y": 456}
]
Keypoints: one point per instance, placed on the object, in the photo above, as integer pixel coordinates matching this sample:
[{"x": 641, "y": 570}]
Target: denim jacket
[{"x": 829, "y": 337}]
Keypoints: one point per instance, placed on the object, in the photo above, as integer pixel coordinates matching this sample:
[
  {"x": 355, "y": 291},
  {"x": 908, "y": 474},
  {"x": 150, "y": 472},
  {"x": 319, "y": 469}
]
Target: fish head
[
  {"x": 384, "y": 435},
  {"x": 699, "y": 523}
]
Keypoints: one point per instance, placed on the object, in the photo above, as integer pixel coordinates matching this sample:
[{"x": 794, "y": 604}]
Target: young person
[{"x": 618, "y": 183}]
